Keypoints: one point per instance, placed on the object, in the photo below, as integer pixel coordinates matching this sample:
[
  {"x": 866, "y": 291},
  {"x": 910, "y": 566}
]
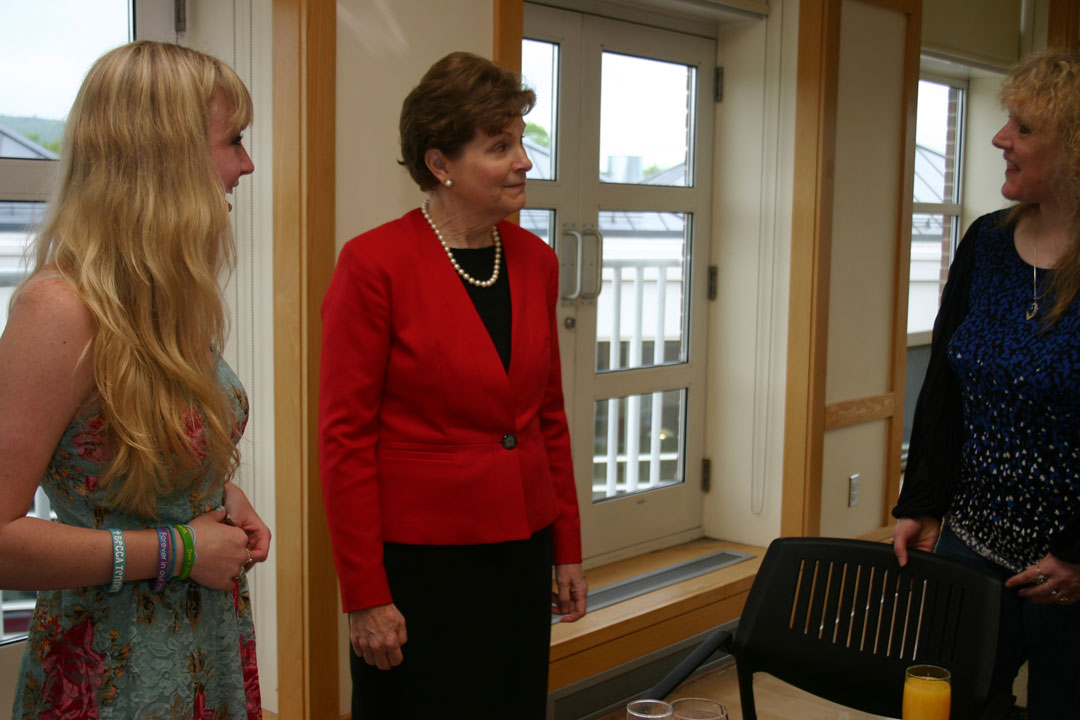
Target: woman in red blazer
[{"x": 444, "y": 450}]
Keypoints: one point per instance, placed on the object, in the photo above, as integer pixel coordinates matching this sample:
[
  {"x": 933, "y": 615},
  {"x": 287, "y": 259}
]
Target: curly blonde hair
[
  {"x": 139, "y": 226},
  {"x": 1045, "y": 91}
]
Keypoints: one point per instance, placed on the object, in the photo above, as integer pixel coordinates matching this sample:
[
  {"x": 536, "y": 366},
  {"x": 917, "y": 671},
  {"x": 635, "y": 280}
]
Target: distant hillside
[{"x": 44, "y": 132}]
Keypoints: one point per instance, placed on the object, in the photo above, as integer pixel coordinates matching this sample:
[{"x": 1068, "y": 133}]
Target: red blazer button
[{"x": 509, "y": 441}]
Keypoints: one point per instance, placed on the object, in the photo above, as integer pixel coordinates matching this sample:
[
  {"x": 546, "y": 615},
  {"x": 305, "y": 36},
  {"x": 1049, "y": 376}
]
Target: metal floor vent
[{"x": 647, "y": 582}]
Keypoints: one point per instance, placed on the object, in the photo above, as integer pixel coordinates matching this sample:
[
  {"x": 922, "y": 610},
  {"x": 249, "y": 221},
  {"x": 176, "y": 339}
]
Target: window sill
[{"x": 623, "y": 632}]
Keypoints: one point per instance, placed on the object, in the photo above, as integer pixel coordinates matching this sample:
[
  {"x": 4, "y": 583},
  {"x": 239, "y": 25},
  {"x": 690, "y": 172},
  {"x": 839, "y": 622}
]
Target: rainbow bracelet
[{"x": 119, "y": 565}]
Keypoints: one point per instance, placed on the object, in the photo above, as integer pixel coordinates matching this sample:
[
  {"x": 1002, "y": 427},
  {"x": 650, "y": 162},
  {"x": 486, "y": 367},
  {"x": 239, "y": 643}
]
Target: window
[
  {"x": 935, "y": 221},
  {"x": 620, "y": 140},
  {"x": 46, "y": 47}
]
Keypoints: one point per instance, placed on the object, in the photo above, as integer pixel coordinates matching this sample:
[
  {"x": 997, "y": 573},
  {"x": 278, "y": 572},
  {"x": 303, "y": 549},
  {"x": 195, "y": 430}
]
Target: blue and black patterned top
[{"x": 1019, "y": 480}]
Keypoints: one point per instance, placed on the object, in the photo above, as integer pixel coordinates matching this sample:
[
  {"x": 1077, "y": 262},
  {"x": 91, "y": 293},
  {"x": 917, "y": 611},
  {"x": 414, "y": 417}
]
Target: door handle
[
  {"x": 592, "y": 266},
  {"x": 570, "y": 265}
]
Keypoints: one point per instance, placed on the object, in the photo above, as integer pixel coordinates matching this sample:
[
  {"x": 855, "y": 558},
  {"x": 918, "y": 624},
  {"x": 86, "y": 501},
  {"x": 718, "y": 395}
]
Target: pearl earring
[{"x": 448, "y": 182}]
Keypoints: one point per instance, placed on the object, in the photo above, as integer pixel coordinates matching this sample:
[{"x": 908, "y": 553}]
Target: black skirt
[{"x": 478, "y": 619}]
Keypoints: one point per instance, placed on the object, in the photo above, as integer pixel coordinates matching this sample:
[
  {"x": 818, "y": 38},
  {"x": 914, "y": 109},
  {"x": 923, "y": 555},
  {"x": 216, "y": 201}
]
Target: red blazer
[{"x": 415, "y": 406}]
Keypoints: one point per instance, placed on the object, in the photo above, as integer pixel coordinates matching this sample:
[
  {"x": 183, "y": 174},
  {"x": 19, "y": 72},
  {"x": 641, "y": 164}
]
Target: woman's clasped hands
[{"x": 222, "y": 552}]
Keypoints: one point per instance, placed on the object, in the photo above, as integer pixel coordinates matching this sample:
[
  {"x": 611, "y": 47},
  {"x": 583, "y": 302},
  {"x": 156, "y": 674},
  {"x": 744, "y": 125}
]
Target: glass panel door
[{"x": 629, "y": 213}]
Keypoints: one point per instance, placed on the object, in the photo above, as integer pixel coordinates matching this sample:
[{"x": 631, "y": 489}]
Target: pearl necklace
[{"x": 453, "y": 261}]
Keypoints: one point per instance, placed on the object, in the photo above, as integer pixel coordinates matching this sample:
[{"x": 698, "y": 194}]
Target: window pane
[
  {"x": 931, "y": 248},
  {"x": 16, "y": 219},
  {"x": 540, "y": 67},
  {"x": 46, "y": 47},
  {"x": 638, "y": 443},
  {"x": 937, "y": 143},
  {"x": 646, "y": 121},
  {"x": 539, "y": 222},
  {"x": 642, "y": 312}
]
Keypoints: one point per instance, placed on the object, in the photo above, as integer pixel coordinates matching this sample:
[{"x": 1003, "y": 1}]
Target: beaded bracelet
[
  {"x": 188, "y": 538},
  {"x": 119, "y": 560},
  {"x": 164, "y": 556}
]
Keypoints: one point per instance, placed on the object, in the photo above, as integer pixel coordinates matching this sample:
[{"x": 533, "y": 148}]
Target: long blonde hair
[
  {"x": 139, "y": 226},
  {"x": 1045, "y": 91}
]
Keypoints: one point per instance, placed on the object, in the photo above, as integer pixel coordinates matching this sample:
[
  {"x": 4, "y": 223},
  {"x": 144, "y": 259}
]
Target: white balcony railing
[{"x": 642, "y": 300}]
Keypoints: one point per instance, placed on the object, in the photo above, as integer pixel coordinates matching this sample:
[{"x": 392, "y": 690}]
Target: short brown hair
[{"x": 457, "y": 95}]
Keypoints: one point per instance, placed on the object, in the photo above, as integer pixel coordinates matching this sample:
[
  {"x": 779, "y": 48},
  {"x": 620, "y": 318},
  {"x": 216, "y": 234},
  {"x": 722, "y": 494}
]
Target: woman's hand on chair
[
  {"x": 1051, "y": 581},
  {"x": 918, "y": 533}
]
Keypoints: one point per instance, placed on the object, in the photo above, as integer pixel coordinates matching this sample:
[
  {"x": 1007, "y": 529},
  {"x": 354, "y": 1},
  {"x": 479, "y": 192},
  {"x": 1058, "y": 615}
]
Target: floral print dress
[{"x": 187, "y": 652}]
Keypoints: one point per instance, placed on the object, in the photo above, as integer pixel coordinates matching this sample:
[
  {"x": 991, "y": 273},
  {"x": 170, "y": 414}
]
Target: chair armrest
[
  {"x": 999, "y": 707},
  {"x": 718, "y": 639}
]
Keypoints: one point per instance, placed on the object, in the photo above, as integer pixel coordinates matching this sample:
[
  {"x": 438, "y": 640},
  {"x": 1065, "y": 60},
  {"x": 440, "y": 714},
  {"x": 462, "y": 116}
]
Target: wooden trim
[
  {"x": 652, "y": 637},
  {"x": 901, "y": 6},
  {"x": 1063, "y": 26},
  {"x": 852, "y": 412},
  {"x": 806, "y": 416},
  {"x": 617, "y": 634},
  {"x": 898, "y": 371},
  {"x": 815, "y": 143},
  {"x": 881, "y": 534},
  {"x": 304, "y": 248},
  {"x": 509, "y": 27}
]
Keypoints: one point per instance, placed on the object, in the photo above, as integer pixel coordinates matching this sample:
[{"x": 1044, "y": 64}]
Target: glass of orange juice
[{"x": 927, "y": 693}]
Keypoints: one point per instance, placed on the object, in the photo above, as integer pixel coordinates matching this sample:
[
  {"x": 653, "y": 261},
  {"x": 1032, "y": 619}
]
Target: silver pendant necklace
[
  {"x": 453, "y": 261},
  {"x": 1034, "y": 309}
]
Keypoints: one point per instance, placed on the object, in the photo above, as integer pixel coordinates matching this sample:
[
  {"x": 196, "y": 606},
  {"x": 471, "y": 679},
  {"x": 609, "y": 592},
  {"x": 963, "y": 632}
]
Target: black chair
[{"x": 842, "y": 620}]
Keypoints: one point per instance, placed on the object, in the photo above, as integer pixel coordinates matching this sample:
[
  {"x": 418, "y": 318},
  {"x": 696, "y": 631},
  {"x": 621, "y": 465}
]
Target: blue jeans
[{"x": 1046, "y": 636}]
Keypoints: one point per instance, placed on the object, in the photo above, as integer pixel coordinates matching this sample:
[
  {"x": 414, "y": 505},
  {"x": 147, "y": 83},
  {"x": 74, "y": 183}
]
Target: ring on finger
[
  {"x": 248, "y": 561},
  {"x": 1062, "y": 599}
]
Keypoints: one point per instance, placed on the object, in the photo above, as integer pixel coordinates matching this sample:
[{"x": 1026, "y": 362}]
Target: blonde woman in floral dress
[{"x": 114, "y": 398}]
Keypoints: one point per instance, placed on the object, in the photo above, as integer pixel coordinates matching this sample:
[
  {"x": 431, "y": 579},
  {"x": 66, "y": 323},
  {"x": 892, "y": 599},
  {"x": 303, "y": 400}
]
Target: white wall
[
  {"x": 867, "y": 180},
  {"x": 382, "y": 50},
  {"x": 751, "y": 247},
  {"x": 984, "y": 166}
]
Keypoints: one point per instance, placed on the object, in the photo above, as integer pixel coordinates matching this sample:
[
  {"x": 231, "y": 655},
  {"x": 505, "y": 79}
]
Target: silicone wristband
[
  {"x": 119, "y": 565},
  {"x": 189, "y": 551},
  {"x": 164, "y": 555}
]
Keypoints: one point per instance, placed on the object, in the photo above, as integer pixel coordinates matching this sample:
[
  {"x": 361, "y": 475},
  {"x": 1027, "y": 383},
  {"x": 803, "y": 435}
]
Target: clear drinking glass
[
  {"x": 653, "y": 709},
  {"x": 927, "y": 693},
  {"x": 698, "y": 709}
]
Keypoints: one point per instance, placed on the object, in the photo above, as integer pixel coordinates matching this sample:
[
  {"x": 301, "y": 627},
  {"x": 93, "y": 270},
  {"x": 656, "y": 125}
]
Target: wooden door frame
[
  {"x": 807, "y": 416},
  {"x": 304, "y": 70},
  {"x": 305, "y": 250},
  {"x": 1063, "y": 25}
]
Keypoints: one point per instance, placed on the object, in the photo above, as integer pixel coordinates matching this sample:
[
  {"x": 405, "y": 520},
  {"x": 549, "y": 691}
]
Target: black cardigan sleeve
[{"x": 937, "y": 431}]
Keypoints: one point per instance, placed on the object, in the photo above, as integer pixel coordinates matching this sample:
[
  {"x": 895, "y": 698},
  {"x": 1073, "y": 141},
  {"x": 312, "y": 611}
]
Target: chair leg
[{"x": 746, "y": 692}]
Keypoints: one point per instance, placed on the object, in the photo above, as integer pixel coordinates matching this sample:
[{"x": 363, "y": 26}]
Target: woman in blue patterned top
[
  {"x": 995, "y": 441},
  {"x": 114, "y": 398}
]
